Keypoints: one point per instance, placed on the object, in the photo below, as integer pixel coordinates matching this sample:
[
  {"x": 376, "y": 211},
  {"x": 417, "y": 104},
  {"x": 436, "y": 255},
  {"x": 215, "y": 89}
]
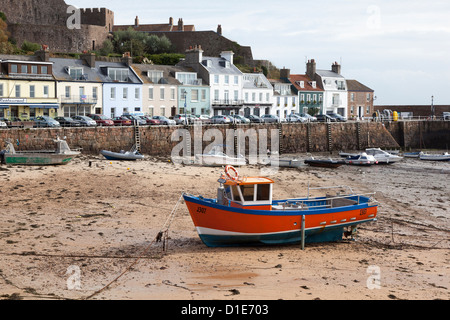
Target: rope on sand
[{"x": 161, "y": 237}]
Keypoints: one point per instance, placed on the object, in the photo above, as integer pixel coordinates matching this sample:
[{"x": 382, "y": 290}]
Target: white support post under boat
[{"x": 303, "y": 232}]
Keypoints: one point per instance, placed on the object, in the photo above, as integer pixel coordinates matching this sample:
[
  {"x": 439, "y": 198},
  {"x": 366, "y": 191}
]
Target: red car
[
  {"x": 101, "y": 119},
  {"x": 122, "y": 121},
  {"x": 150, "y": 121}
]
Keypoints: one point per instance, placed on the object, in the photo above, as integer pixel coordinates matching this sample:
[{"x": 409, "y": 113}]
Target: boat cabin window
[
  {"x": 248, "y": 192},
  {"x": 251, "y": 192},
  {"x": 263, "y": 192}
]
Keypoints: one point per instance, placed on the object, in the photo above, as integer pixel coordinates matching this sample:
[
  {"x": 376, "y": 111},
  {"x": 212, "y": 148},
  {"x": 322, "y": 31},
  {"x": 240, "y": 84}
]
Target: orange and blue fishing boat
[{"x": 244, "y": 214}]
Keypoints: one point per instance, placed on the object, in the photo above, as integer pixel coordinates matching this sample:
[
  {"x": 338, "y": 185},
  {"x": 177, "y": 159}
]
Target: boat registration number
[{"x": 201, "y": 210}]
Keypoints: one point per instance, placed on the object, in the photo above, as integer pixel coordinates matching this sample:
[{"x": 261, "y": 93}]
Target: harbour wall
[{"x": 160, "y": 141}]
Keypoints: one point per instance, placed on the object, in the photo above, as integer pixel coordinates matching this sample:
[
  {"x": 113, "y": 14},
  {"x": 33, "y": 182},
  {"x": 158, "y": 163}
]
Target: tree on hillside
[{"x": 5, "y": 46}]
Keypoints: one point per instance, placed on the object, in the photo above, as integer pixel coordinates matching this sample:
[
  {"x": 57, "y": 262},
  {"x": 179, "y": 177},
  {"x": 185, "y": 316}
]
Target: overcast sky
[{"x": 401, "y": 49}]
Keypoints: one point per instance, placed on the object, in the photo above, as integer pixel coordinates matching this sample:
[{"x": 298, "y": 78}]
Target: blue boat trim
[{"x": 211, "y": 203}]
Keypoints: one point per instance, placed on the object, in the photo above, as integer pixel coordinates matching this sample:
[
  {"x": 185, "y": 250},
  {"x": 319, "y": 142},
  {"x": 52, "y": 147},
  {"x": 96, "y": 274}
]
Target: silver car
[
  {"x": 220, "y": 120},
  {"x": 85, "y": 121}
]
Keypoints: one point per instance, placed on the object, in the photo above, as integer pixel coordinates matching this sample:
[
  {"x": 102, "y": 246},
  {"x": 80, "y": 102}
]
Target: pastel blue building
[{"x": 122, "y": 89}]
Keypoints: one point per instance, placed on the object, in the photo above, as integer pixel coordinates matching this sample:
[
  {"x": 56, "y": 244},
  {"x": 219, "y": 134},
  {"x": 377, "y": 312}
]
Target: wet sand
[{"x": 101, "y": 219}]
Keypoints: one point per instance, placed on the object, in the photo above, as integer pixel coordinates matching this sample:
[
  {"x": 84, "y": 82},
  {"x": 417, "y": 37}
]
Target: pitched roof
[
  {"x": 354, "y": 85},
  {"x": 168, "y": 72},
  {"x": 296, "y": 78}
]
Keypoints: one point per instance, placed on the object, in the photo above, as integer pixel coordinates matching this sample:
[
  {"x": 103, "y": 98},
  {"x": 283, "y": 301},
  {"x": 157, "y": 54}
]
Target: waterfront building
[
  {"x": 310, "y": 95},
  {"x": 27, "y": 86},
  {"x": 258, "y": 94},
  {"x": 334, "y": 85},
  {"x": 285, "y": 101},
  {"x": 223, "y": 77},
  {"x": 122, "y": 88},
  {"x": 360, "y": 100},
  {"x": 79, "y": 87},
  {"x": 194, "y": 96}
]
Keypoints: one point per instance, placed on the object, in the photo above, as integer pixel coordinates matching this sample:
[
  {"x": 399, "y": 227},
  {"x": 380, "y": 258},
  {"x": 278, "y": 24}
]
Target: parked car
[
  {"x": 270, "y": 118},
  {"x": 3, "y": 125},
  {"x": 255, "y": 119},
  {"x": 204, "y": 119},
  {"x": 325, "y": 118},
  {"x": 307, "y": 116},
  {"x": 241, "y": 118},
  {"x": 150, "y": 121},
  {"x": 220, "y": 119},
  {"x": 101, "y": 120},
  {"x": 182, "y": 118},
  {"x": 122, "y": 121},
  {"x": 85, "y": 121},
  {"x": 67, "y": 122},
  {"x": 164, "y": 121},
  {"x": 136, "y": 119},
  {"x": 338, "y": 117},
  {"x": 446, "y": 115},
  {"x": 295, "y": 118},
  {"x": 46, "y": 122},
  {"x": 13, "y": 122}
]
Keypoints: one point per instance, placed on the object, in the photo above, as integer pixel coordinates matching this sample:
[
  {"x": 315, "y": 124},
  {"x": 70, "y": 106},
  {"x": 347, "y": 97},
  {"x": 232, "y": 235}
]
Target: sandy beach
[{"x": 67, "y": 232}]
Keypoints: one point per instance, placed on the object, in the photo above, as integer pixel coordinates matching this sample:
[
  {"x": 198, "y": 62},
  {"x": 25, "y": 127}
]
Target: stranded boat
[
  {"x": 383, "y": 157},
  {"x": 61, "y": 156},
  {"x": 324, "y": 163},
  {"x": 244, "y": 214},
  {"x": 362, "y": 159},
  {"x": 131, "y": 155},
  {"x": 217, "y": 158},
  {"x": 435, "y": 157}
]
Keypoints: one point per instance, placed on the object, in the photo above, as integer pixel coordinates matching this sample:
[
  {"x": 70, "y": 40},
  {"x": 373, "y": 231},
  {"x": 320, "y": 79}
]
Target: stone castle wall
[{"x": 45, "y": 22}]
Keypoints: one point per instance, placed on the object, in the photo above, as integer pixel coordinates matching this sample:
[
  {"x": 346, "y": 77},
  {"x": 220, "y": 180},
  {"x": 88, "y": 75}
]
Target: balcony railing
[
  {"x": 228, "y": 102},
  {"x": 79, "y": 99}
]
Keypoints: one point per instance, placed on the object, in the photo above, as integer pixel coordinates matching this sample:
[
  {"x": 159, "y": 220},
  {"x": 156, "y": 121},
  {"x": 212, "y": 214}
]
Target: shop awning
[
  {"x": 32, "y": 106},
  {"x": 43, "y": 106}
]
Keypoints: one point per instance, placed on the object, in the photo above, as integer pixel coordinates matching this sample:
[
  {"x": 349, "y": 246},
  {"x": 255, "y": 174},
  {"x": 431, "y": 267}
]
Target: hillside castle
[{"x": 46, "y": 22}]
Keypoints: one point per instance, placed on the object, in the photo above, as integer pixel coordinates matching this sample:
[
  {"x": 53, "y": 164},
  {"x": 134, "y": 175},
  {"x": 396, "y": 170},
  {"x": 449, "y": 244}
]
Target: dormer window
[
  {"x": 313, "y": 84},
  {"x": 118, "y": 74},
  {"x": 155, "y": 76},
  {"x": 76, "y": 73},
  {"x": 301, "y": 84}
]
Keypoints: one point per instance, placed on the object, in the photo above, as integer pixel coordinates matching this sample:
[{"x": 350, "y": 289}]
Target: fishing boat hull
[
  {"x": 126, "y": 156},
  {"x": 225, "y": 226},
  {"x": 39, "y": 159},
  {"x": 325, "y": 163},
  {"x": 435, "y": 157},
  {"x": 219, "y": 160},
  {"x": 283, "y": 163}
]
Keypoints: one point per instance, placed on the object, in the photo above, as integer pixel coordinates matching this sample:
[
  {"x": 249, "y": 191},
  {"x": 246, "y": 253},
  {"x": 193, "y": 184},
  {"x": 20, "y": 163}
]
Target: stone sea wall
[{"x": 161, "y": 140}]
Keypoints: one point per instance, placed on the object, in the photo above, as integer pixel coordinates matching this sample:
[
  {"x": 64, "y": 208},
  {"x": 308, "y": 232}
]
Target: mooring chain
[{"x": 162, "y": 236}]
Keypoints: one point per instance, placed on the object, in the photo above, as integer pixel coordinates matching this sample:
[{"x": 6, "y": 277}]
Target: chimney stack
[
  {"x": 219, "y": 29},
  {"x": 136, "y": 22},
  {"x": 336, "y": 68},
  {"x": 89, "y": 58},
  {"x": 180, "y": 25},
  {"x": 311, "y": 69},
  {"x": 44, "y": 54},
  {"x": 194, "y": 56},
  {"x": 127, "y": 59},
  {"x": 170, "y": 21},
  {"x": 227, "y": 55},
  {"x": 285, "y": 74}
]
